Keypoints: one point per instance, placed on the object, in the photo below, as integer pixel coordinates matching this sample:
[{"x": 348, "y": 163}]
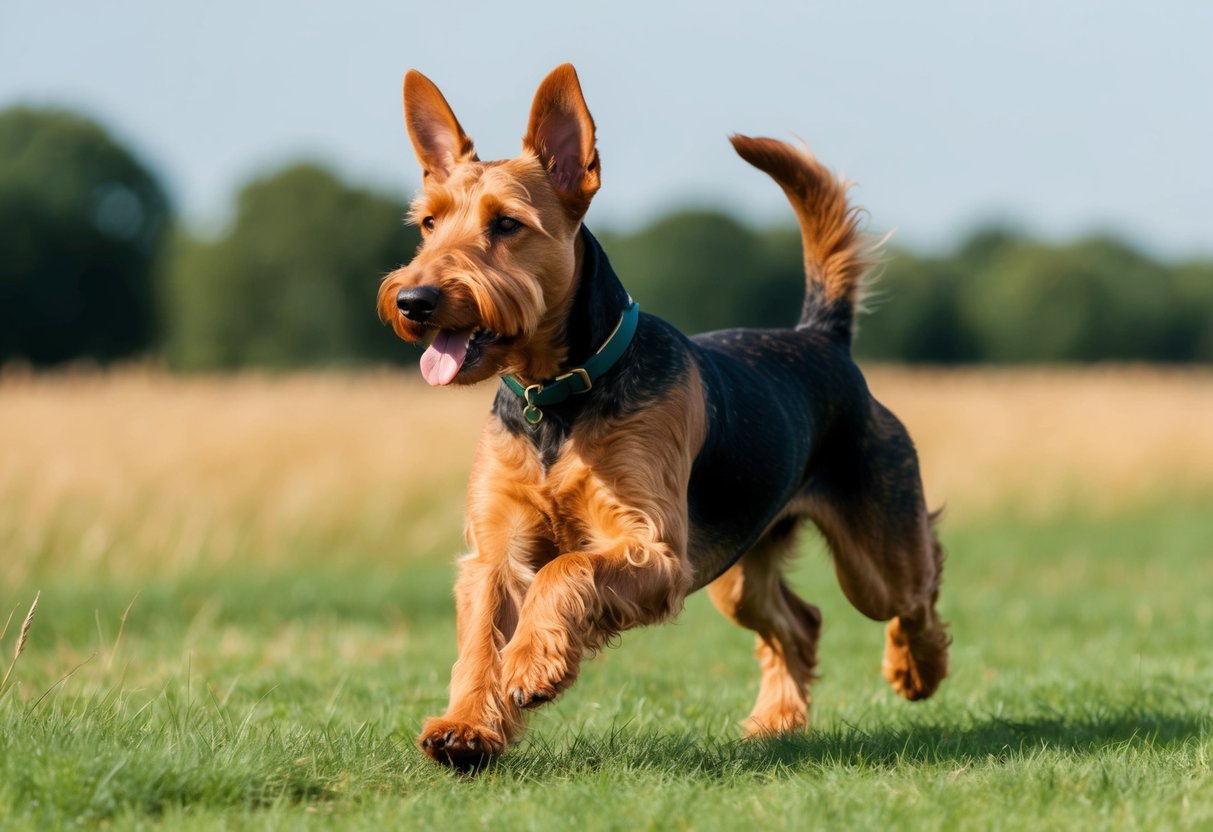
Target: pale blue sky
[{"x": 1063, "y": 116}]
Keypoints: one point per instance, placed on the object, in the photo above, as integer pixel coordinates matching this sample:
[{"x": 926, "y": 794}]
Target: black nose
[{"x": 417, "y": 303}]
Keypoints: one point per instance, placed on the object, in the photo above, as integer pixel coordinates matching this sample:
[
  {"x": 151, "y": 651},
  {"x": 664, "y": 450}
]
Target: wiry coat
[{"x": 690, "y": 462}]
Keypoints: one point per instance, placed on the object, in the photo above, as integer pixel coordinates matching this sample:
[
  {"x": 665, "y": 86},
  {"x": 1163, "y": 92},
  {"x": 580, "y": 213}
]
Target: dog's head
[{"x": 489, "y": 288}]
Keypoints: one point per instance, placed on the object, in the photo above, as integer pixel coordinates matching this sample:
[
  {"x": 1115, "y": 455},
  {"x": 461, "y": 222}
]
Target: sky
[{"x": 1063, "y": 117}]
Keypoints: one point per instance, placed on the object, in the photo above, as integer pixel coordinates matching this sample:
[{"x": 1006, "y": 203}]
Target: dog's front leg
[
  {"x": 477, "y": 723},
  {"x": 620, "y": 510},
  {"x": 507, "y": 533},
  {"x": 577, "y": 602}
]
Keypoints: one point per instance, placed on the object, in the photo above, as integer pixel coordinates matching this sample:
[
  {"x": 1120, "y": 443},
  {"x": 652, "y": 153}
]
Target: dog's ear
[
  {"x": 561, "y": 133},
  {"x": 438, "y": 140}
]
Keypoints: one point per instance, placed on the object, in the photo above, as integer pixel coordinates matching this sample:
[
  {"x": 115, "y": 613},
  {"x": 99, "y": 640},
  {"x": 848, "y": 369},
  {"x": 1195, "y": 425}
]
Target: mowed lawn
[{"x": 245, "y": 615}]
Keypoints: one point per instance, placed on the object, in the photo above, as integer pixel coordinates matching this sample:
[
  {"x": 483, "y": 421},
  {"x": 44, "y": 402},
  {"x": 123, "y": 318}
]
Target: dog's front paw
[
  {"x": 459, "y": 744},
  {"x": 536, "y": 667},
  {"x": 775, "y": 723}
]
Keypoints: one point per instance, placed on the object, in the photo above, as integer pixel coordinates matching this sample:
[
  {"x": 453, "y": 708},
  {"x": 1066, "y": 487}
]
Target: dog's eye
[
  {"x": 505, "y": 225},
  {"x": 428, "y": 223}
]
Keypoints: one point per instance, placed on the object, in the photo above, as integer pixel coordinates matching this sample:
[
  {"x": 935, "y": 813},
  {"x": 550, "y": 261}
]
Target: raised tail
[{"x": 837, "y": 255}]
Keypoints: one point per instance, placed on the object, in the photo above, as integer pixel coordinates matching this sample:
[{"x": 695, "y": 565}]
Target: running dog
[{"x": 625, "y": 465}]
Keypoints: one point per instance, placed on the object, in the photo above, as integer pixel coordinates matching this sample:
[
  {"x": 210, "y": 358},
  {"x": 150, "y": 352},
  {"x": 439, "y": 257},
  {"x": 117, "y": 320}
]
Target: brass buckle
[
  {"x": 585, "y": 377},
  {"x": 530, "y": 411}
]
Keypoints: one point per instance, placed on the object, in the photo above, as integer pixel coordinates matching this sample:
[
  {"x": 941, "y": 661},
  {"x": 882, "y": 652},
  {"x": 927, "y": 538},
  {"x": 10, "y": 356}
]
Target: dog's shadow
[{"x": 975, "y": 739}]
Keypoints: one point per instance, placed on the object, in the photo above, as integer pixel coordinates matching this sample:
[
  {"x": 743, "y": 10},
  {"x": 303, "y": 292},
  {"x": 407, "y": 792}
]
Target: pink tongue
[{"x": 442, "y": 359}]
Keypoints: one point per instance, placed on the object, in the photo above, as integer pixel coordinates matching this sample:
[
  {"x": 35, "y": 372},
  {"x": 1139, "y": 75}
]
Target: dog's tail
[{"x": 837, "y": 254}]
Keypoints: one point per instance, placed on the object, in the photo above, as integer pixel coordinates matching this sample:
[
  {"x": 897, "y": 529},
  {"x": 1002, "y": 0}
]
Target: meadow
[{"x": 245, "y": 614}]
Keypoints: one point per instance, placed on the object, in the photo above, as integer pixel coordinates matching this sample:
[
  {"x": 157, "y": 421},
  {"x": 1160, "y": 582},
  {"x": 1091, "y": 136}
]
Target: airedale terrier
[{"x": 625, "y": 465}]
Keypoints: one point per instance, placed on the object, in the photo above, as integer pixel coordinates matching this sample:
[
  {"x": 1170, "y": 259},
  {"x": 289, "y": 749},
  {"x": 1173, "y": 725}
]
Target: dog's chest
[
  {"x": 575, "y": 502},
  {"x": 569, "y": 496}
]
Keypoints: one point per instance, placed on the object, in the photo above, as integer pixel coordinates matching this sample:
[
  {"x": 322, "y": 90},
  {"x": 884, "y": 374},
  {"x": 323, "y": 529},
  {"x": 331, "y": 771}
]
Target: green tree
[
  {"x": 703, "y": 270},
  {"x": 912, "y": 313},
  {"x": 293, "y": 282},
  {"x": 1093, "y": 300},
  {"x": 82, "y": 222},
  {"x": 1193, "y": 327}
]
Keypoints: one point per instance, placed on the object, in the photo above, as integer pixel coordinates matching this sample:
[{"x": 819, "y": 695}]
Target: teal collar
[{"x": 580, "y": 379}]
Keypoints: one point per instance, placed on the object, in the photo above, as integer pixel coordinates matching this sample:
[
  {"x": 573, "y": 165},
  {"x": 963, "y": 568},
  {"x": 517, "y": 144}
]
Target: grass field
[{"x": 245, "y": 614}]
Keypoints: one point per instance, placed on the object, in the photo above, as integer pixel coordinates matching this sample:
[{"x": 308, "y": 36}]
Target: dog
[{"x": 625, "y": 465}]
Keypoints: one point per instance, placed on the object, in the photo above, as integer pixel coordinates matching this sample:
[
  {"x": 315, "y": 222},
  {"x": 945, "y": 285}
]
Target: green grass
[{"x": 1081, "y": 697}]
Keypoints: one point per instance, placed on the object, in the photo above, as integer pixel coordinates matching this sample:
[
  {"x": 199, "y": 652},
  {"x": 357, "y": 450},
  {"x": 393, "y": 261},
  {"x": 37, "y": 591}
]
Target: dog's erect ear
[
  {"x": 438, "y": 140},
  {"x": 561, "y": 133}
]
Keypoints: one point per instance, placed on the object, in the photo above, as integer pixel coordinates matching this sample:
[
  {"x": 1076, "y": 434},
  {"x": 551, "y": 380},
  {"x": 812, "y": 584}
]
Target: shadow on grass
[{"x": 978, "y": 739}]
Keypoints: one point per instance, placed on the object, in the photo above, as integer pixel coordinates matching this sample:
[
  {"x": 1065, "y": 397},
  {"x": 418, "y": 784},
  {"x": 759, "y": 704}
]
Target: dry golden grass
[
  {"x": 137, "y": 471},
  {"x": 19, "y": 647},
  {"x": 1046, "y": 441}
]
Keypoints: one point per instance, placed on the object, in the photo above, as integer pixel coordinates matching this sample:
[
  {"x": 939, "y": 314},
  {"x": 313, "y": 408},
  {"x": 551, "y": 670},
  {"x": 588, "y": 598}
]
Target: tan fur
[
  {"x": 563, "y": 560},
  {"x": 837, "y": 255},
  {"x": 753, "y": 594}
]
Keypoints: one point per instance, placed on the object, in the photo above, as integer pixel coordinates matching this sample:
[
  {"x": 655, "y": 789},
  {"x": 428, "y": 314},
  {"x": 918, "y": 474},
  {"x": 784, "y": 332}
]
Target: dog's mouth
[{"x": 448, "y": 352}]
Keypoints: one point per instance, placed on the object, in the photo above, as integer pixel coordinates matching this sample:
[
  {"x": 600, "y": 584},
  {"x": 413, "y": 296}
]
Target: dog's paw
[
  {"x": 460, "y": 745},
  {"x": 535, "y": 671},
  {"x": 914, "y": 666},
  {"x": 790, "y": 719}
]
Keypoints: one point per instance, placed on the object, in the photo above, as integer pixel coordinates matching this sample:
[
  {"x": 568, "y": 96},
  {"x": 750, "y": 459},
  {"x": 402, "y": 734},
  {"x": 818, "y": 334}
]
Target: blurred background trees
[
  {"x": 1000, "y": 296},
  {"x": 92, "y": 268},
  {"x": 82, "y": 226},
  {"x": 293, "y": 282},
  {"x": 704, "y": 270}
]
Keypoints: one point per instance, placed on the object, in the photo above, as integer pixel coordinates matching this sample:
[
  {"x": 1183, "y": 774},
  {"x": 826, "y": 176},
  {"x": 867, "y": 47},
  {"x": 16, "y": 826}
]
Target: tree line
[{"x": 96, "y": 266}]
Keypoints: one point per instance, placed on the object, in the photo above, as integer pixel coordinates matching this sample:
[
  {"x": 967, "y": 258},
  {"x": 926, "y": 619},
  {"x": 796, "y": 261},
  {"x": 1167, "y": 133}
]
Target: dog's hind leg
[
  {"x": 753, "y": 594},
  {"x": 867, "y": 500}
]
